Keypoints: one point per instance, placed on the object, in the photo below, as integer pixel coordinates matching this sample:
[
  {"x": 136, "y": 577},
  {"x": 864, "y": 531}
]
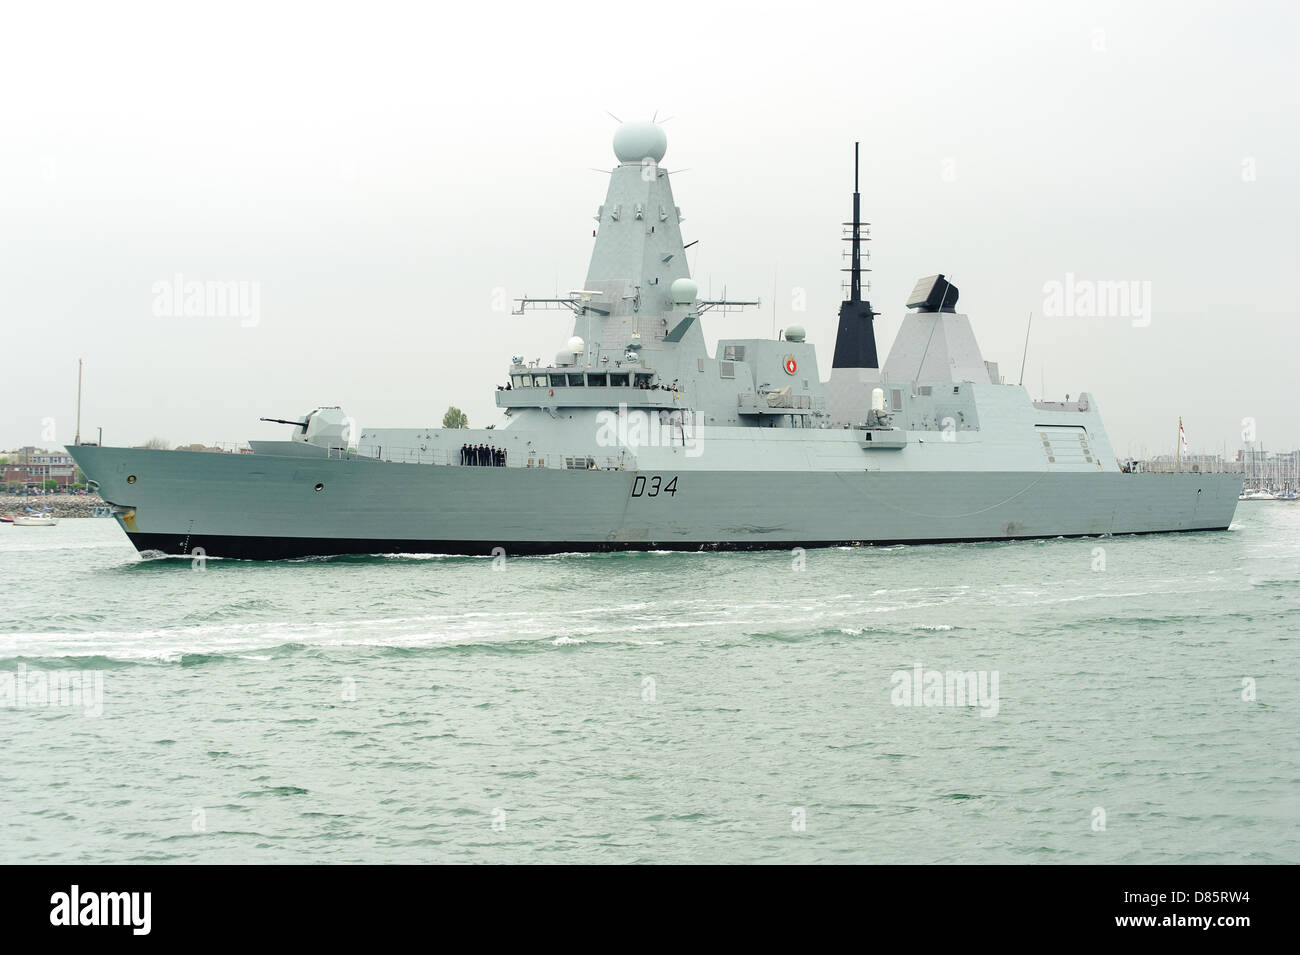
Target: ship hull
[{"x": 266, "y": 507}]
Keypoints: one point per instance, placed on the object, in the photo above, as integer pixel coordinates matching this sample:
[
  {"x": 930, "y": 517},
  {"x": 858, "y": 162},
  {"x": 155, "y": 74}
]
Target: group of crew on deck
[{"x": 482, "y": 455}]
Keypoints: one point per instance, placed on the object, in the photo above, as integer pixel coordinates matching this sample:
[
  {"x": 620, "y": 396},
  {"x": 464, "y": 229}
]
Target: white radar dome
[
  {"x": 576, "y": 345},
  {"x": 684, "y": 291},
  {"x": 794, "y": 333},
  {"x": 634, "y": 142}
]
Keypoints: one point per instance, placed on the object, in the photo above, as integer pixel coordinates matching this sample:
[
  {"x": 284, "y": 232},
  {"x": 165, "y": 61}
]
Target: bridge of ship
[
  {"x": 556, "y": 387},
  {"x": 571, "y": 388}
]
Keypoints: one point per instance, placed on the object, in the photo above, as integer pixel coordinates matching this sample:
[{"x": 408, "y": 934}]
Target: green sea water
[{"x": 1139, "y": 703}]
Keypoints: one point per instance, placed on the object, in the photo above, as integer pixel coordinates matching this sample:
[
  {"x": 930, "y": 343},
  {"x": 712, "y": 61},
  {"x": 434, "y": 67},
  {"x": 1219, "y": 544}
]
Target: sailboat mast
[{"x": 77, "y": 439}]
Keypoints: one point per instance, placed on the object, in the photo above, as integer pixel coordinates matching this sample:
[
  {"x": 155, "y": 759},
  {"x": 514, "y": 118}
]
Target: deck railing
[{"x": 613, "y": 459}]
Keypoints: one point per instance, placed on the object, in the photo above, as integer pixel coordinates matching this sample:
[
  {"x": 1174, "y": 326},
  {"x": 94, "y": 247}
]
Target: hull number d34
[{"x": 653, "y": 486}]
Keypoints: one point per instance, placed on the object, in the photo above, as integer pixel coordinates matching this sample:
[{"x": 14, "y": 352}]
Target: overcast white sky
[{"x": 381, "y": 170}]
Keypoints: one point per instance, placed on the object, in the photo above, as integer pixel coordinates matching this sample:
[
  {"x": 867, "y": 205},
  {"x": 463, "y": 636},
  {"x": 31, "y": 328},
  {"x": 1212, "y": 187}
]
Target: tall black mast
[
  {"x": 855, "y": 294},
  {"x": 855, "y": 342}
]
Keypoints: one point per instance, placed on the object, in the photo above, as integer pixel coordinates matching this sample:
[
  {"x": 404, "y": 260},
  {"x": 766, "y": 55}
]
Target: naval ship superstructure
[{"x": 636, "y": 437}]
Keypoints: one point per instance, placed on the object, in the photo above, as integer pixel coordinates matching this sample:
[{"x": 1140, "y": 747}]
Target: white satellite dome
[
  {"x": 794, "y": 333},
  {"x": 684, "y": 291},
  {"x": 576, "y": 345},
  {"x": 634, "y": 142}
]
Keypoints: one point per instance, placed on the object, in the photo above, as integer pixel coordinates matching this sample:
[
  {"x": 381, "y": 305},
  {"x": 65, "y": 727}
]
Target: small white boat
[
  {"x": 1257, "y": 494},
  {"x": 35, "y": 520}
]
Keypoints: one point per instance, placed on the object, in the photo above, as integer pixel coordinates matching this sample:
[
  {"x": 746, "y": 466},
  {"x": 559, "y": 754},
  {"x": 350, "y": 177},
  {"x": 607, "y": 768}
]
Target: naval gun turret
[{"x": 325, "y": 430}]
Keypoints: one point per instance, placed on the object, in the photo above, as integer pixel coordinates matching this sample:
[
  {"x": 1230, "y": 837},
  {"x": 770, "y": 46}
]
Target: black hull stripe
[{"x": 288, "y": 548}]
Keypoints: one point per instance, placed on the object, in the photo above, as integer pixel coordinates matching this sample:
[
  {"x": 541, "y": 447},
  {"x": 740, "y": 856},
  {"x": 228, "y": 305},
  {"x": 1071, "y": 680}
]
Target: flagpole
[{"x": 1178, "y": 450}]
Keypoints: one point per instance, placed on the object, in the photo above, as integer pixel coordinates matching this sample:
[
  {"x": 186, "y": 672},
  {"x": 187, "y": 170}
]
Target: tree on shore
[
  {"x": 455, "y": 418},
  {"x": 157, "y": 444}
]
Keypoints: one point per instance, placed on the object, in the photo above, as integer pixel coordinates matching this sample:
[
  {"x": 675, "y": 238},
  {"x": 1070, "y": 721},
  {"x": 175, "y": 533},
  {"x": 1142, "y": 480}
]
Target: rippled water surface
[{"x": 656, "y": 707}]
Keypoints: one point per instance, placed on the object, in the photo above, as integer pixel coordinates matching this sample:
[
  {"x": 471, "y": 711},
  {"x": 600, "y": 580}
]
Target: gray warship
[{"x": 636, "y": 437}]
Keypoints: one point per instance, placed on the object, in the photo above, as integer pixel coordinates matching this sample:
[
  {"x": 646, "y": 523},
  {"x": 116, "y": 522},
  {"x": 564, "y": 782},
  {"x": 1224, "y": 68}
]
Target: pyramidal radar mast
[{"x": 855, "y": 342}]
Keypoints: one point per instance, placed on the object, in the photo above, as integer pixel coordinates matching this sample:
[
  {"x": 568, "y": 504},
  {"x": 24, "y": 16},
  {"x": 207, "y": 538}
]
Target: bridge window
[
  {"x": 523, "y": 381},
  {"x": 575, "y": 381},
  {"x": 596, "y": 381},
  {"x": 541, "y": 381},
  {"x": 557, "y": 381},
  {"x": 616, "y": 381}
]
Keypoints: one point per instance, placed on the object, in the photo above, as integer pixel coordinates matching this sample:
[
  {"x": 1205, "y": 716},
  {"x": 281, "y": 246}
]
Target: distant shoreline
[{"x": 60, "y": 505}]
